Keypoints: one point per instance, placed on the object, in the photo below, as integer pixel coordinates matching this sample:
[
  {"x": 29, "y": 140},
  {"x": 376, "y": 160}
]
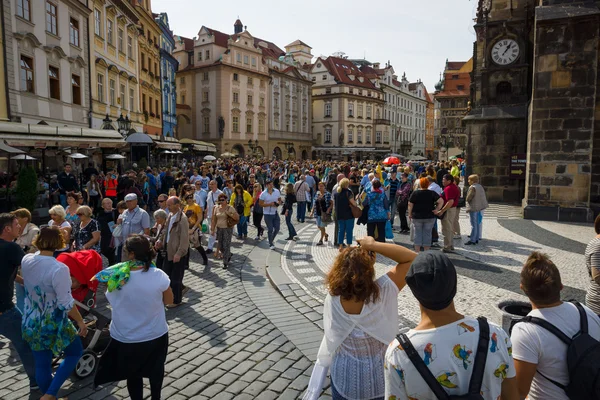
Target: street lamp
[
  {"x": 107, "y": 123},
  {"x": 253, "y": 146},
  {"x": 124, "y": 124}
]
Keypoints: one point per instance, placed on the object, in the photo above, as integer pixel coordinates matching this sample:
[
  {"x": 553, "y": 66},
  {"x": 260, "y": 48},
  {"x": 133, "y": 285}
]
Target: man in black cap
[{"x": 446, "y": 342}]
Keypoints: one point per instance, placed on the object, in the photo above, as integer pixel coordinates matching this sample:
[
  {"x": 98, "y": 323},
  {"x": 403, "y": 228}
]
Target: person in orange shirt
[{"x": 110, "y": 186}]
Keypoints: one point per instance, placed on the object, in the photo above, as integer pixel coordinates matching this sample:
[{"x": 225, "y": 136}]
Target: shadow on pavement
[{"x": 526, "y": 229}]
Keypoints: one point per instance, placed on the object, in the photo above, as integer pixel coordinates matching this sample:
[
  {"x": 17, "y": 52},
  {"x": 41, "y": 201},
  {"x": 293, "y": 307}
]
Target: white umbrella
[
  {"x": 115, "y": 157},
  {"x": 209, "y": 158},
  {"x": 77, "y": 156},
  {"x": 227, "y": 155},
  {"x": 24, "y": 157}
]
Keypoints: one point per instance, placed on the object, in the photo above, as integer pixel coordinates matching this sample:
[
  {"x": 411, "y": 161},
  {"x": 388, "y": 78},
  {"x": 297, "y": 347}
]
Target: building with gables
[
  {"x": 168, "y": 68},
  {"x": 114, "y": 67}
]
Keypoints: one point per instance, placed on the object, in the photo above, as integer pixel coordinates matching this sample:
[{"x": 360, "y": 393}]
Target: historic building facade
[
  {"x": 149, "y": 68},
  {"x": 168, "y": 68},
  {"x": 47, "y": 61},
  {"x": 114, "y": 66},
  {"x": 289, "y": 105},
  {"x": 535, "y": 100},
  {"x": 453, "y": 93},
  {"x": 347, "y": 107},
  {"x": 430, "y": 128}
]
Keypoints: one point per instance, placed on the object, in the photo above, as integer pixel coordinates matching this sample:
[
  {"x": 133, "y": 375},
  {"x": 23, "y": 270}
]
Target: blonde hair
[
  {"x": 22, "y": 213},
  {"x": 58, "y": 210},
  {"x": 474, "y": 178},
  {"x": 85, "y": 210},
  {"x": 344, "y": 183}
]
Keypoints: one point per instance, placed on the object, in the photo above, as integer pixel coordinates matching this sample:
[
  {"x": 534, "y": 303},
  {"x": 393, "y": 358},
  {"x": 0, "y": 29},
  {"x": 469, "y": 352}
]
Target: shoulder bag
[
  {"x": 356, "y": 210},
  {"x": 233, "y": 221}
]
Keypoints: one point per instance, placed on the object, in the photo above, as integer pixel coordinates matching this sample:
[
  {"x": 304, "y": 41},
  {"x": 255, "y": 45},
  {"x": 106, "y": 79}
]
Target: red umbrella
[{"x": 391, "y": 161}]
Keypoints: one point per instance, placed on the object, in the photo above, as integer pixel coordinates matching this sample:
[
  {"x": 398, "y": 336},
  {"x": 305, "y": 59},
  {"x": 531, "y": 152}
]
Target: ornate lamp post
[
  {"x": 107, "y": 123},
  {"x": 253, "y": 145},
  {"x": 124, "y": 125}
]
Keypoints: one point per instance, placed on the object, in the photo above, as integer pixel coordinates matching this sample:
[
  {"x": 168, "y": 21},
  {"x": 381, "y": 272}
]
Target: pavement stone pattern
[
  {"x": 226, "y": 342},
  {"x": 487, "y": 273}
]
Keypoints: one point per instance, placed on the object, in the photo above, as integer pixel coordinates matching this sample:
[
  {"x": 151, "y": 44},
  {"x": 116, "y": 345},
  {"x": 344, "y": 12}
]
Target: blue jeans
[
  {"x": 63, "y": 200},
  {"x": 43, "y": 367},
  {"x": 423, "y": 229},
  {"x": 10, "y": 327},
  {"x": 242, "y": 226},
  {"x": 475, "y": 226},
  {"x": 20, "y": 295},
  {"x": 273, "y": 223},
  {"x": 288, "y": 222},
  {"x": 345, "y": 228},
  {"x": 301, "y": 211},
  {"x": 335, "y": 395}
]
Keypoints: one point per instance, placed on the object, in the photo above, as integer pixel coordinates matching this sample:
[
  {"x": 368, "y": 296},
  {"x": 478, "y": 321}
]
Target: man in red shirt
[{"x": 451, "y": 194}]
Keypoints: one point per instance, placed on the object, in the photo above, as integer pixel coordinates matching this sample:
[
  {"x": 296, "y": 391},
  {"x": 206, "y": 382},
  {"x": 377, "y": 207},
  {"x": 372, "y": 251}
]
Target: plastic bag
[
  {"x": 205, "y": 226},
  {"x": 389, "y": 234}
]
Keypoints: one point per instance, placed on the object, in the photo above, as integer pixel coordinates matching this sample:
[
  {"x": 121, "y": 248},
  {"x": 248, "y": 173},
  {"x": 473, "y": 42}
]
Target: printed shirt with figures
[{"x": 449, "y": 352}]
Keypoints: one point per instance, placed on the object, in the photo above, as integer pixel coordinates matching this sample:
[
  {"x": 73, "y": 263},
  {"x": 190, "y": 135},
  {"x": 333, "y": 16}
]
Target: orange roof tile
[{"x": 340, "y": 68}]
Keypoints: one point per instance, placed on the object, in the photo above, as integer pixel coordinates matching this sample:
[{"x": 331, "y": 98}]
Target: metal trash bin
[{"x": 511, "y": 312}]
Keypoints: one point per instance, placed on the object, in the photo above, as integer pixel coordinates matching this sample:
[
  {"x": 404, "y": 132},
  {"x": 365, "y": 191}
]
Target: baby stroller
[{"x": 83, "y": 265}]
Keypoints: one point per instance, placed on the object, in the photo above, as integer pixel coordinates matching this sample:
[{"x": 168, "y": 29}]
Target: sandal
[
  {"x": 320, "y": 243},
  {"x": 326, "y": 237}
]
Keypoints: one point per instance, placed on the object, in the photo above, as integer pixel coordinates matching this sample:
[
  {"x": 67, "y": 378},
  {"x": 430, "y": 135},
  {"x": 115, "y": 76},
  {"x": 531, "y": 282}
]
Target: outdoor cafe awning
[
  {"x": 199, "y": 145},
  {"x": 168, "y": 145},
  {"x": 28, "y": 135}
]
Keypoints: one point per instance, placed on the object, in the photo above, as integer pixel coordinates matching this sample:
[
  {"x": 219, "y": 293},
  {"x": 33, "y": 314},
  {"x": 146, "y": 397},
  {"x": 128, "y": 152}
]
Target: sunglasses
[
  {"x": 79, "y": 214},
  {"x": 161, "y": 201}
]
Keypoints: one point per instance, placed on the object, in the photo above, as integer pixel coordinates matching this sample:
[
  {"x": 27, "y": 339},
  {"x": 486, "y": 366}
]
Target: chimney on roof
[
  {"x": 238, "y": 26},
  {"x": 376, "y": 65}
]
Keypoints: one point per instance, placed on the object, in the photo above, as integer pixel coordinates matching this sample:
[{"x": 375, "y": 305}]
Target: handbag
[
  {"x": 117, "y": 231},
  {"x": 389, "y": 234},
  {"x": 326, "y": 218},
  {"x": 195, "y": 237},
  {"x": 233, "y": 221}
]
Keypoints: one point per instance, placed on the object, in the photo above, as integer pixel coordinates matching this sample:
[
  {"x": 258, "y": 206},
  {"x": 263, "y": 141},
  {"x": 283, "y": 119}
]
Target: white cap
[{"x": 131, "y": 196}]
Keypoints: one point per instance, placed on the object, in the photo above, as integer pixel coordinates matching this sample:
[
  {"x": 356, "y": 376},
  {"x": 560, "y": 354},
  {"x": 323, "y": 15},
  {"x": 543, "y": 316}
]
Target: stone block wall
[{"x": 563, "y": 115}]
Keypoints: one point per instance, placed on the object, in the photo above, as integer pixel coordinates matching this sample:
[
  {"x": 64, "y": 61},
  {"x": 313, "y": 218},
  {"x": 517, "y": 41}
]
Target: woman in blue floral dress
[
  {"x": 379, "y": 211},
  {"x": 48, "y": 306}
]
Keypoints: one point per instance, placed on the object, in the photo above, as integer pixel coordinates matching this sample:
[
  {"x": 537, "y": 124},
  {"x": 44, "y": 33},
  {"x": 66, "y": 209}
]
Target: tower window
[{"x": 503, "y": 92}]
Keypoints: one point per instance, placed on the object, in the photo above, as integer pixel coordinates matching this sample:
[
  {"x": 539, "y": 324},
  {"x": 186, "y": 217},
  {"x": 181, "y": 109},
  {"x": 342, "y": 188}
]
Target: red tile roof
[
  {"x": 272, "y": 50},
  {"x": 220, "y": 37},
  {"x": 188, "y": 44},
  {"x": 412, "y": 86},
  {"x": 455, "y": 65},
  {"x": 340, "y": 68}
]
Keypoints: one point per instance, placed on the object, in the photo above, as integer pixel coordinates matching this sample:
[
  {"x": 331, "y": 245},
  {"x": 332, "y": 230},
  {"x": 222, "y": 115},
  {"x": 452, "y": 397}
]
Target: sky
[{"x": 415, "y": 36}]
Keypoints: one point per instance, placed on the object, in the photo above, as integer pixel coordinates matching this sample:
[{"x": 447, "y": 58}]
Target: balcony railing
[{"x": 380, "y": 121}]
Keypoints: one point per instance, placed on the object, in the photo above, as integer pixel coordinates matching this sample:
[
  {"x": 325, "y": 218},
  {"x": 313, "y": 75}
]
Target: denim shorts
[{"x": 320, "y": 222}]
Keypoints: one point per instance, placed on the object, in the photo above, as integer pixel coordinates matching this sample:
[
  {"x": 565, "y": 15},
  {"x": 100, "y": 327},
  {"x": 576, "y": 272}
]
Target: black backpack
[
  {"x": 474, "y": 392},
  {"x": 583, "y": 358}
]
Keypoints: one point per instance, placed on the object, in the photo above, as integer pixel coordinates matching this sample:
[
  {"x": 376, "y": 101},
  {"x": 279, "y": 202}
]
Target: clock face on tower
[{"x": 505, "y": 52}]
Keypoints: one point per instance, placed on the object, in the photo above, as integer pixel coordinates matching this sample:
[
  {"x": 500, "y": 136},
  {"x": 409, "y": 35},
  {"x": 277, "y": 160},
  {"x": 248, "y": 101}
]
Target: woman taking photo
[
  {"x": 343, "y": 198},
  {"x": 48, "y": 307},
  {"x": 322, "y": 207},
  {"x": 360, "y": 317},
  {"x": 57, "y": 218},
  {"x": 221, "y": 223},
  {"x": 241, "y": 200},
  {"x": 422, "y": 205},
  {"x": 288, "y": 210},
  {"x": 257, "y": 211},
  {"x": 193, "y": 212},
  {"x": 379, "y": 211},
  {"x": 73, "y": 200},
  {"x": 137, "y": 293},
  {"x": 160, "y": 220},
  {"x": 87, "y": 234},
  {"x": 94, "y": 190}
]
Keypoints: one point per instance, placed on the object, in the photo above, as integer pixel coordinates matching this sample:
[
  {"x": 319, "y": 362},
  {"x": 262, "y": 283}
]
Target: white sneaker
[
  {"x": 296, "y": 238},
  {"x": 272, "y": 247},
  {"x": 457, "y": 236},
  {"x": 257, "y": 238}
]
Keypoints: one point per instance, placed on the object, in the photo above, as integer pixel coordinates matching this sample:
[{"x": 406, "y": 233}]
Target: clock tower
[{"x": 496, "y": 126}]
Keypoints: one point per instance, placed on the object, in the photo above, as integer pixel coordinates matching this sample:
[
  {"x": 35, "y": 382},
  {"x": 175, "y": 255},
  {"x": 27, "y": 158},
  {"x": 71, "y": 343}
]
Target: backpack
[
  {"x": 583, "y": 358},
  {"x": 474, "y": 392}
]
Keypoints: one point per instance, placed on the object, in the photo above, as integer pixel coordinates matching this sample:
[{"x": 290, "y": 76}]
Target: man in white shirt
[
  {"x": 302, "y": 191},
  {"x": 211, "y": 201},
  {"x": 270, "y": 200},
  {"x": 540, "y": 355},
  {"x": 446, "y": 342},
  {"x": 135, "y": 221}
]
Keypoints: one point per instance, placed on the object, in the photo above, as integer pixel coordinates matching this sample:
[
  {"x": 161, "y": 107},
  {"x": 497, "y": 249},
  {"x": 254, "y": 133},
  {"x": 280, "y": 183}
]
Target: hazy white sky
[{"x": 416, "y": 36}]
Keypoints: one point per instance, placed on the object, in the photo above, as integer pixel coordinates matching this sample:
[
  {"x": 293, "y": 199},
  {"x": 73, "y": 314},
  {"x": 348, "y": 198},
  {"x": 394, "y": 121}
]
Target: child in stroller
[{"x": 83, "y": 265}]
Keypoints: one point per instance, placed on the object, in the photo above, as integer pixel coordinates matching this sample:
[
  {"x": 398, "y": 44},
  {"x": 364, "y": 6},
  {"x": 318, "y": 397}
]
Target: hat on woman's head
[{"x": 432, "y": 280}]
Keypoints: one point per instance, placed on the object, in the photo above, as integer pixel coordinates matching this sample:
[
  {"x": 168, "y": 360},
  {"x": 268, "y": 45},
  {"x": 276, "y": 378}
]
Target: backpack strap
[
  {"x": 423, "y": 370},
  {"x": 480, "y": 357},
  {"x": 583, "y": 321},
  {"x": 549, "y": 327}
]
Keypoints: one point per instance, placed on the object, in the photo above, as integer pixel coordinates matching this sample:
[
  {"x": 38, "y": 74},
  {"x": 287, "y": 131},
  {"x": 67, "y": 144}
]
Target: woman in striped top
[{"x": 592, "y": 260}]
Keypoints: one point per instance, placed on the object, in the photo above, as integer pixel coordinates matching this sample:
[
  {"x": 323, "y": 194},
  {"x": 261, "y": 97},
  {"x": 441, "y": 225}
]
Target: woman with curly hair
[{"x": 360, "y": 317}]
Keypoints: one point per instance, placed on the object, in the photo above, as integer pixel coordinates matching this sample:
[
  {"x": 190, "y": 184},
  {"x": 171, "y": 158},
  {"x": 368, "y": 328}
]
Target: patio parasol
[
  {"x": 77, "y": 156},
  {"x": 24, "y": 157},
  {"x": 228, "y": 155},
  {"x": 115, "y": 157},
  {"x": 210, "y": 158},
  {"x": 391, "y": 161}
]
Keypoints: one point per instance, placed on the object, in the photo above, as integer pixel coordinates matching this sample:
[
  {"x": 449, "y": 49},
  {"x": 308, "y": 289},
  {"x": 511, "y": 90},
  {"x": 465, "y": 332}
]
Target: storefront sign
[
  {"x": 40, "y": 145},
  {"x": 518, "y": 166}
]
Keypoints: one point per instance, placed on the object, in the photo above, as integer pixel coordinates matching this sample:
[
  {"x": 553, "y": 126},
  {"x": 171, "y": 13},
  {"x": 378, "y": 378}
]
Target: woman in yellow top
[
  {"x": 242, "y": 201},
  {"x": 193, "y": 212}
]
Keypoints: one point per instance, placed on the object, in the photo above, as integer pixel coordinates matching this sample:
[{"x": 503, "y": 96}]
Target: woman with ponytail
[
  {"x": 137, "y": 292},
  {"x": 360, "y": 316}
]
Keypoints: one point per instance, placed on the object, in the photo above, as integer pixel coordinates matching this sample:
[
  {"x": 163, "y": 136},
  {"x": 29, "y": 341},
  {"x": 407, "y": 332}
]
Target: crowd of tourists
[{"x": 147, "y": 223}]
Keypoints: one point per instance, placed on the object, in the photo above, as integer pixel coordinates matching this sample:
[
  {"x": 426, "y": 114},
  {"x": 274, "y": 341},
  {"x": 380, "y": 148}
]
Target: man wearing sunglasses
[{"x": 162, "y": 203}]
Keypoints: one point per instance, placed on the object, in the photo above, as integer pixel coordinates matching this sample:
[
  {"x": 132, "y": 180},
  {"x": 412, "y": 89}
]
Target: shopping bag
[
  {"x": 205, "y": 226},
  {"x": 389, "y": 234}
]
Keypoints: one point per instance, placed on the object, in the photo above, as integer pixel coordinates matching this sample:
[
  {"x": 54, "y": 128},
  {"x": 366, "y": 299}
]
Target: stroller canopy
[{"x": 83, "y": 265}]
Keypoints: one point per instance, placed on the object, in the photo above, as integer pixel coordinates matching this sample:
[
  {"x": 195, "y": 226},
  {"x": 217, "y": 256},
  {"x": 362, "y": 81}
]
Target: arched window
[{"x": 503, "y": 92}]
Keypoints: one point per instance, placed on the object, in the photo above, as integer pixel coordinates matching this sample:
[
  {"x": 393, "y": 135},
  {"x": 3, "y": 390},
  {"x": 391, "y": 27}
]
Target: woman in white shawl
[{"x": 361, "y": 319}]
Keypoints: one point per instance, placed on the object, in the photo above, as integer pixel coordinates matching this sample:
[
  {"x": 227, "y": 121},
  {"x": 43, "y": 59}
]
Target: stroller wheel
[{"x": 86, "y": 364}]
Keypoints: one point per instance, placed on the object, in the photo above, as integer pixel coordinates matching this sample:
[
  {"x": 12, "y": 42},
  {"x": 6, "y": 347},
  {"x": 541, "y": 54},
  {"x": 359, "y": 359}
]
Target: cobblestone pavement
[
  {"x": 226, "y": 342},
  {"x": 488, "y": 273}
]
